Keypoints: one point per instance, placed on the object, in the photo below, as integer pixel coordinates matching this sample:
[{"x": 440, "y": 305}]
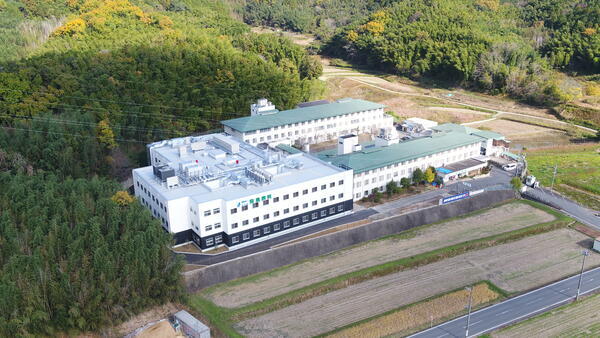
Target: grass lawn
[{"x": 578, "y": 167}]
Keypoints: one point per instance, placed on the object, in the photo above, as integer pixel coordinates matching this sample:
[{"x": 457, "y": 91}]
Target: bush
[{"x": 516, "y": 183}]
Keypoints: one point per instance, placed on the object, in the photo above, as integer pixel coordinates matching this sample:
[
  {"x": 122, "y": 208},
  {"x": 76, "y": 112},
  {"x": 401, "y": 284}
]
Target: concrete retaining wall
[{"x": 273, "y": 258}]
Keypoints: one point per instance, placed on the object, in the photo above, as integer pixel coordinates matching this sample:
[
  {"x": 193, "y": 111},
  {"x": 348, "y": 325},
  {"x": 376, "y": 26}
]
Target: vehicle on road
[
  {"x": 509, "y": 167},
  {"x": 531, "y": 181}
]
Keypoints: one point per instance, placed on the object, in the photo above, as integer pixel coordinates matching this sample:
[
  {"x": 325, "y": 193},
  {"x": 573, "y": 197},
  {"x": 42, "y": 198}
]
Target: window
[
  {"x": 208, "y": 228},
  {"x": 331, "y": 198},
  {"x": 266, "y": 230},
  {"x": 286, "y": 224},
  {"x": 276, "y": 213},
  {"x": 245, "y": 222},
  {"x": 266, "y": 216},
  {"x": 305, "y": 191},
  {"x": 235, "y": 239},
  {"x": 286, "y": 196},
  {"x": 244, "y": 207},
  {"x": 255, "y": 219},
  {"x": 217, "y": 225},
  {"x": 341, "y": 195},
  {"x": 314, "y": 203},
  {"x": 256, "y": 233},
  {"x": 305, "y": 218},
  {"x": 276, "y": 199},
  {"x": 234, "y": 225},
  {"x": 207, "y": 213},
  {"x": 315, "y": 215},
  {"x": 246, "y": 236},
  {"x": 218, "y": 239},
  {"x": 305, "y": 205},
  {"x": 286, "y": 210},
  {"x": 332, "y": 210},
  {"x": 276, "y": 227},
  {"x": 314, "y": 189},
  {"x": 265, "y": 202},
  {"x": 296, "y": 194},
  {"x": 323, "y": 213},
  {"x": 255, "y": 205},
  {"x": 296, "y": 208},
  {"x": 332, "y": 184},
  {"x": 234, "y": 210},
  {"x": 341, "y": 207},
  {"x": 323, "y": 187},
  {"x": 209, "y": 241},
  {"x": 296, "y": 221},
  {"x": 216, "y": 211},
  {"x": 323, "y": 200}
]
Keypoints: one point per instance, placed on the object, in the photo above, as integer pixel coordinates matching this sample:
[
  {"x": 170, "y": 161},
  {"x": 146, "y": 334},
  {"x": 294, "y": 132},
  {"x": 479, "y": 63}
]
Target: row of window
[
  {"x": 366, "y": 112},
  {"x": 287, "y": 197},
  {"x": 276, "y": 227},
  {"x": 285, "y": 211}
]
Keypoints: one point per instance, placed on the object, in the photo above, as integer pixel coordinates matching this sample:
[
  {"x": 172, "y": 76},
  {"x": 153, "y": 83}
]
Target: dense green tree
[
  {"x": 418, "y": 177},
  {"x": 70, "y": 257}
]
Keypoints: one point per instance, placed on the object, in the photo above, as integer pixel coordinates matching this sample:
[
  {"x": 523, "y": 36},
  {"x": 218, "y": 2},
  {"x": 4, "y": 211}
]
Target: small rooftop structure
[
  {"x": 418, "y": 123},
  {"x": 262, "y": 107},
  {"x": 191, "y": 326}
]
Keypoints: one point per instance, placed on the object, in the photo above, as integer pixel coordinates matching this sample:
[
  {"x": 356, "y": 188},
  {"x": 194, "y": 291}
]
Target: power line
[{"x": 66, "y": 134}]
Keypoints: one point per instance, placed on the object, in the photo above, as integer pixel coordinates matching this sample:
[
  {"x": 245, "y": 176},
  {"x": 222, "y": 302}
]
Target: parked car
[{"x": 509, "y": 166}]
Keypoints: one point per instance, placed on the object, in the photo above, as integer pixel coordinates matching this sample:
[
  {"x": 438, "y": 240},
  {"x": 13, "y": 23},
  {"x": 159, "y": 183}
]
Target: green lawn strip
[
  {"x": 501, "y": 293},
  {"x": 551, "y": 312},
  {"x": 218, "y": 317},
  {"x": 355, "y": 277}
]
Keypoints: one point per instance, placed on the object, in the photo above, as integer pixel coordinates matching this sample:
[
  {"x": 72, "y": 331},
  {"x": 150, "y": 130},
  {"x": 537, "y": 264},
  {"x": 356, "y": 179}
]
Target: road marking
[
  {"x": 512, "y": 299},
  {"x": 533, "y": 301},
  {"x": 445, "y": 334},
  {"x": 503, "y": 312},
  {"x": 473, "y": 323}
]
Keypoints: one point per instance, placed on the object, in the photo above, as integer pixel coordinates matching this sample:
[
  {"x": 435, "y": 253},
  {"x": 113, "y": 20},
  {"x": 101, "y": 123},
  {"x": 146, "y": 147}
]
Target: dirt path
[
  {"x": 498, "y": 220},
  {"x": 516, "y": 267},
  {"x": 579, "y": 320}
]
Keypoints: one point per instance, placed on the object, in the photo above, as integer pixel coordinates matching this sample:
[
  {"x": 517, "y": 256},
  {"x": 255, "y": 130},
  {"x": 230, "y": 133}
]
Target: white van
[{"x": 510, "y": 166}]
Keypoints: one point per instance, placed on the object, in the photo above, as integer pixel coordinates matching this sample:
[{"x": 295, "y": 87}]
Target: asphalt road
[
  {"x": 206, "y": 259},
  {"x": 564, "y": 205},
  {"x": 516, "y": 309}
]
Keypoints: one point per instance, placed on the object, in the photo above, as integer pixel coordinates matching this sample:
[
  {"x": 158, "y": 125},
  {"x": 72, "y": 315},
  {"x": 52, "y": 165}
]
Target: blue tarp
[{"x": 443, "y": 170}]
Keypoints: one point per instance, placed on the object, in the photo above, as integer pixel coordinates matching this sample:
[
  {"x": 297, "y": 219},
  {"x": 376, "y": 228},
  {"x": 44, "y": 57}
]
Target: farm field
[
  {"x": 504, "y": 218},
  {"x": 578, "y": 167},
  {"x": 526, "y": 135},
  {"x": 405, "y": 320},
  {"x": 581, "y": 319},
  {"x": 514, "y": 267}
]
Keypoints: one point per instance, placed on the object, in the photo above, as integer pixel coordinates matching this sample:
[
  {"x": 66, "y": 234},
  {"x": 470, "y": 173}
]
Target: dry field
[
  {"x": 505, "y": 218},
  {"x": 574, "y": 320},
  {"x": 526, "y": 135},
  {"x": 515, "y": 267},
  {"x": 417, "y": 315}
]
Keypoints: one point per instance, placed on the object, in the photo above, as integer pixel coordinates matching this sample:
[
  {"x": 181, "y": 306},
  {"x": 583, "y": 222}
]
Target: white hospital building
[
  {"x": 216, "y": 190},
  {"x": 230, "y": 189},
  {"x": 310, "y": 123}
]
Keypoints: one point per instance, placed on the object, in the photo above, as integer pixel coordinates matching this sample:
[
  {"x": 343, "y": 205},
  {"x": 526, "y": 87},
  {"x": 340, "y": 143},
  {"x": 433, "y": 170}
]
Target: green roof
[
  {"x": 377, "y": 157},
  {"x": 340, "y": 107},
  {"x": 451, "y": 127},
  {"x": 288, "y": 149}
]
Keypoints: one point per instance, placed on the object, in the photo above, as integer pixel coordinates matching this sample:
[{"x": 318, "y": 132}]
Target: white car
[{"x": 509, "y": 167}]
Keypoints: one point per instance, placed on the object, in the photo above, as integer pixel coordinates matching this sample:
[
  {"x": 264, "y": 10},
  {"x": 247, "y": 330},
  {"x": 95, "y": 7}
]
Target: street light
[
  {"x": 470, "y": 289},
  {"x": 585, "y": 253}
]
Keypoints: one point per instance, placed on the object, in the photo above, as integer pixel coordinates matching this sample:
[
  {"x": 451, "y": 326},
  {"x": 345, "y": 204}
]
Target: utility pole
[
  {"x": 554, "y": 176},
  {"x": 585, "y": 253},
  {"x": 469, "y": 311}
]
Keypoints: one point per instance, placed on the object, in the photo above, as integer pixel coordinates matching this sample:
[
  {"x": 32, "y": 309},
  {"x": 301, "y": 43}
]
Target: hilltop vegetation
[{"x": 84, "y": 84}]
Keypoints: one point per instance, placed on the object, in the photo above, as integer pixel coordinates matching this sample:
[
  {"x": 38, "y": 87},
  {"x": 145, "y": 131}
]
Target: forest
[{"x": 84, "y": 85}]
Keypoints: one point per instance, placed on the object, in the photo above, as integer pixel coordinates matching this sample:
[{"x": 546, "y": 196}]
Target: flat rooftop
[
  {"x": 452, "y": 127},
  {"x": 303, "y": 114},
  {"x": 225, "y": 175},
  {"x": 376, "y": 157}
]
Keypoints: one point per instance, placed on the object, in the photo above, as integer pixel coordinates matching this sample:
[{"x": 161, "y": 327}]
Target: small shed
[
  {"x": 596, "y": 246},
  {"x": 191, "y": 326}
]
